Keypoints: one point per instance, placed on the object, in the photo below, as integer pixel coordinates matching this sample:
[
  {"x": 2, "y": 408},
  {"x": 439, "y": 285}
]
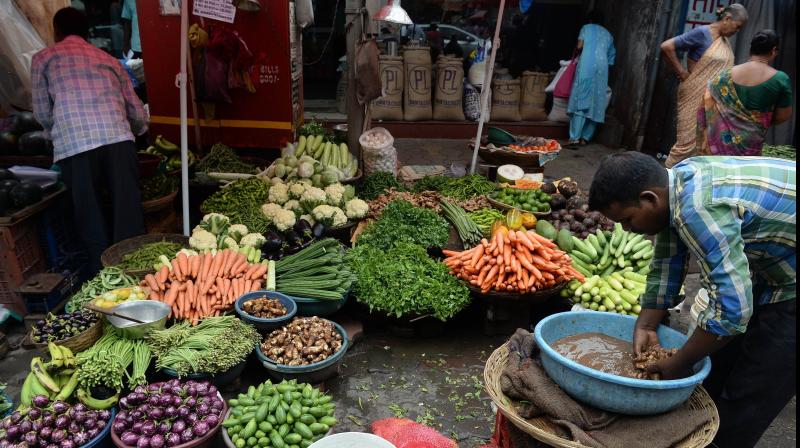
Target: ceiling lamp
[{"x": 394, "y": 13}]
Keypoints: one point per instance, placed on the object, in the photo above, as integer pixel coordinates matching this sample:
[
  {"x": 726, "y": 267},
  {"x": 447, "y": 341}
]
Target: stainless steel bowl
[{"x": 151, "y": 312}]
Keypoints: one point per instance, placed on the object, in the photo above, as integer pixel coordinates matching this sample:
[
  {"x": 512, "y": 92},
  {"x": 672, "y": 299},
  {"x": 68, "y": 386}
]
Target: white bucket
[{"x": 352, "y": 440}]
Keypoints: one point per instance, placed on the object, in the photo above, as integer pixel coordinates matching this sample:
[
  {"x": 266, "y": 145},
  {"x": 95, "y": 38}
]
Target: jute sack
[
  {"x": 390, "y": 105},
  {"x": 417, "y": 98},
  {"x": 505, "y": 100},
  {"x": 531, "y": 104},
  {"x": 449, "y": 89}
]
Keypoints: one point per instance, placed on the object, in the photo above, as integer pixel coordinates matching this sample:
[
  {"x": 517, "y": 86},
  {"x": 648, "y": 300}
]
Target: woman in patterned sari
[
  {"x": 709, "y": 52},
  {"x": 741, "y": 103}
]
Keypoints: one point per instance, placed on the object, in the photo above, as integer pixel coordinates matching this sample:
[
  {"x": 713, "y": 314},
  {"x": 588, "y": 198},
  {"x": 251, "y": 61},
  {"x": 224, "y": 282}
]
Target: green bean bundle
[{"x": 147, "y": 255}]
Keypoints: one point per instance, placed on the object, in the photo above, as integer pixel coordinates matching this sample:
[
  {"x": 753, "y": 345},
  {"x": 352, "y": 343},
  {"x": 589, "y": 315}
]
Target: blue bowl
[
  {"x": 311, "y": 373},
  {"x": 308, "y": 307},
  {"x": 266, "y": 324},
  {"x": 612, "y": 393},
  {"x": 9, "y": 401},
  {"x": 102, "y": 440},
  {"x": 219, "y": 379}
]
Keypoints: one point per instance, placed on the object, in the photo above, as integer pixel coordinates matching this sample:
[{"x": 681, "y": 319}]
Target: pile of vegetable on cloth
[{"x": 534, "y": 395}]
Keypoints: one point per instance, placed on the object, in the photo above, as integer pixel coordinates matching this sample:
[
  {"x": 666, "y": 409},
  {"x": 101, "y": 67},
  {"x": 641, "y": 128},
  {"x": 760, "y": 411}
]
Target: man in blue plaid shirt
[
  {"x": 738, "y": 217},
  {"x": 84, "y": 99}
]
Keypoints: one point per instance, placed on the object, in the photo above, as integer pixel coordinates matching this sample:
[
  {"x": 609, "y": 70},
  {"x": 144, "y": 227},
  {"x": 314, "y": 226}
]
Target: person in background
[
  {"x": 435, "y": 41},
  {"x": 737, "y": 216},
  {"x": 742, "y": 102},
  {"x": 587, "y": 100},
  {"x": 83, "y": 98},
  {"x": 130, "y": 22},
  {"x": 708, "y": 53},
  {"x": 453, "y": 49}
]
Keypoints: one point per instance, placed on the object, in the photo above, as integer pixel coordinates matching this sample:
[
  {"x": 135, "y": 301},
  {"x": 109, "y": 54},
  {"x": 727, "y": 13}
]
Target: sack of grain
[
  {"x": 477, "y": 73},
  {"x": 559, "y": 111},
  {"x": 505, "y": 100},
  {"x": 390, "y": 105},
  {"x": 531, "y": 105},
  {"x": 449, "y": 88},
  {"x": 417, "y": 71}
]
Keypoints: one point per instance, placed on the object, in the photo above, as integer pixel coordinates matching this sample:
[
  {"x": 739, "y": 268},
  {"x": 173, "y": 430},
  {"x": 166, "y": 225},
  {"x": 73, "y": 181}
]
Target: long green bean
[{"x": 147, "y": 255}]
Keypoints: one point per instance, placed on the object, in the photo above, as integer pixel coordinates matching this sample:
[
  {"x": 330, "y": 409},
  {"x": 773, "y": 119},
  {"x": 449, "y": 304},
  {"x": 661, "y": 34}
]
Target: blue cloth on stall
[{"x": 588, "y": 97}]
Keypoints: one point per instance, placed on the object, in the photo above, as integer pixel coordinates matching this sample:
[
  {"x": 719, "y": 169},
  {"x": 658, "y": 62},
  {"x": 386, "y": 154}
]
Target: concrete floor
[{"x": 433, "y": 373}]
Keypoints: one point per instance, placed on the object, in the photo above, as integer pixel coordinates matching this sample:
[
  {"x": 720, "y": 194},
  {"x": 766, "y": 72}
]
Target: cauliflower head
[
  {"x": 237, "y": 231},
  {"x": 270, "y": 209},
  {"x": 334, "y": 194},
  {"x": 284, "y": 220},
  {"x": 293, "y": 205},
  {"x": 202, "y": 240},
  {"x": 329, "y": 216},
  {"x": 312, "y": 197},
  {"x": 296, "y": 190},
  {"x": 215, "y": 223},
  {"x": 254, "y": 240},
  {"x": 356, "y": 209},
  {"x": 278, "y": 194},
  {"x": 229, "y": 243}
]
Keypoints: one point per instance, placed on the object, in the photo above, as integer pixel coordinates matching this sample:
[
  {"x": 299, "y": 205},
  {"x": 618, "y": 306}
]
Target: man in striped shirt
[
  {"x": 737, "y": 216},
  {"x": 85, "y": 101}
]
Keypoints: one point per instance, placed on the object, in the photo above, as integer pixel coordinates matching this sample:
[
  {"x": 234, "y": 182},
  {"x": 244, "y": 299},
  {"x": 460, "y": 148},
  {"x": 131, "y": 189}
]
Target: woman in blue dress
[{"x": 587, "y": 101}]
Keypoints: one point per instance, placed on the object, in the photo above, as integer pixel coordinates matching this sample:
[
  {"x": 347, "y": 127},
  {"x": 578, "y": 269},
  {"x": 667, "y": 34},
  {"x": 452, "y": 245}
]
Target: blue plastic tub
[
  {"x": 611, "y": 392},
  {"x": 318, "y": 307},
  {"x": 103, "y": 440},
  {"x": 262, "y": 323},
  {"x": 312, "y": 373}
]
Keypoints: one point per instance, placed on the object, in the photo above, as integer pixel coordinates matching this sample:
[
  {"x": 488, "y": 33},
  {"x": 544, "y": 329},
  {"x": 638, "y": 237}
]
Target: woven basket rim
[
  {"x": 540, "y": 428},
  {"x": 75, "y": 340},
  {"x": 114, "y": 254}
]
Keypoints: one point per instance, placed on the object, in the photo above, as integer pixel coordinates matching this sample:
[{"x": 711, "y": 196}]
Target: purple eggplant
[
  {"x": 100, "y": 424},
  {"x": 137, "y": 415},
  {"x": 156, "y": 413},
  {"x": 191, "y": 402},
  {"x": 36, "y": 425},
  {"x": 157, "y": 441},
  {"x": 149, "y": 428},
  {"x": 201, "y": 389},
  {"x": 124, "y": 416},
  {"x": 63, "y": 421},
  {"x": 13, "y": 432},
  {"x": 184, "y": 411},
  {"x": 30, "y": 438},
  {"x": 173, "y": 439},
  {"x": 200, "y": 428},
  {"x": 80, "y": 438},
  {"x": 129, "y": 438},
  {"x": 41, "y": 401},
  {"x": 50, "y": 420},
  {"x": 178, "y": 426},
  {"x": 89, "y": 423},
  {"x": 104, "y": 415},
  {"x": 154, "y": 400},
  {"x": 45, "y": 433},
  {"x": 176, "y": 401},
  {"x": 58, "y": 435},
  {"x": 92, "y": 433},
  {"x": 67, "y": 444},
  {"x": 212, "y": 420},
  {"x": 143, "y": 442},
  {"x": 34, "y": 414},
  {"x": 120, "y": 426},
  {"x": 73, "y": 427},
  {"x": 124, "y": 403},
  {"x": 187, "y": 435},
  {"x": 203, "y": 410},
  {"x": 25, "y": 426},
  {"x": 59, "y": 407},
  {"x": 137, "y": 427},
  {"x": 191, "y": 391},
  {"x": 78, "y": 416},
  {"x": 170, "y": 412},
  {"x": 192, "y": 418},
  {"x": 212, "y": 390},
  {"x": 16, "y": 417},
  {"x": 155, "y": 387},
  {"x": 164, "y": 427}
]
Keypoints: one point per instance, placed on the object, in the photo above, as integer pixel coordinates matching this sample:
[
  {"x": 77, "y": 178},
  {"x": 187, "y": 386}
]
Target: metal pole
[
  {"x": 181, "y": 80},
  {"x": 487, "y": 81},
  {"x": 355, "y": 112}
]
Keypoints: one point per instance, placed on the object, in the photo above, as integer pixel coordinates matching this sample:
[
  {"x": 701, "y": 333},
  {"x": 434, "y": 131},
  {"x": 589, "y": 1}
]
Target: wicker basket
[
  {"x": 156, "y": 205},
  {"x": 114, "y": 254},
  {"x": 77, "y": 343},
  {"x": 541, "y": 429}
]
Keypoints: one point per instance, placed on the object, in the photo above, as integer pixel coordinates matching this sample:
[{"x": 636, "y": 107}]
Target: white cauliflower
[
  {"x": 284, "y": 220},
  {"x": 237, "y": 231},
  {"x": 296, "y": 190},
  {"x": 334, "y": 194},
  {"x": 202, "y": 240},
  {"x": 329, "y": 216},
  {"x": 278, "y": 194},
  {"x": 229, "y": 243},
  {"x": 312, "y": 197},
  {"x": 356, "y": 208},
  {"x": 254, "y": 240},
  {"x": 270, "y": 209},
  {"x": 293, "y": 205}
]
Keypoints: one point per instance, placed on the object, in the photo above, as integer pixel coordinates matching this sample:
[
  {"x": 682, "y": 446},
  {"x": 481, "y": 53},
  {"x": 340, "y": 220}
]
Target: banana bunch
[
  {"x": 96, "y": 403},
  {"x": 170, "y": 152},
  {"x": 56, "y": 379},
  {"x": 328, "y": 154}
]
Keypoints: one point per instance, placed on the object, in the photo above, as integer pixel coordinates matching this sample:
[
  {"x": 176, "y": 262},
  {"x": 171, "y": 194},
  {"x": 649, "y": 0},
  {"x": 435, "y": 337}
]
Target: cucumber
[
  {"x": 303, "y": 429},
  {"x": 601, "y": 237},
  {"x": 580, "y": 255},
  {"x": 592, "y": 239},
  {"x": 632, "y": 242},
  {"x": 641, "y": 245},
  {"x": 623, "y": 241}
]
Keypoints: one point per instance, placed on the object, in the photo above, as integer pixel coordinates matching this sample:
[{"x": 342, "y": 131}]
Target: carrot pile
[
  {"x": 199, "y": 286},
  {"x": 514, "y": 261}
]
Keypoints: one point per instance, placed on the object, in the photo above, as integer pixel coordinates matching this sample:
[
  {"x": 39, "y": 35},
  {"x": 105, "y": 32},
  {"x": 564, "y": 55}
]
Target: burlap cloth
[{"x": 525, "y": 380}]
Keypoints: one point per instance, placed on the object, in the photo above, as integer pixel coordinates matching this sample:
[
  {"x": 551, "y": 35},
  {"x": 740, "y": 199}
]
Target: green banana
[
  {"x": 44, "y": 378},
  {"x": 36, "y": 387},
  {"x": 68, "y": 388},
  {"x": 94, "y": 403},
  {"x": 165, "y": 145},
  {"x": 69, "y": 357},
  {"x": 26, "y": 396}
]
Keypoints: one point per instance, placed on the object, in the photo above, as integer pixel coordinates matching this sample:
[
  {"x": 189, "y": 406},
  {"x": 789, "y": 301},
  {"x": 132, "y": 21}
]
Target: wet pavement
[{"x": 429, "y": 372}]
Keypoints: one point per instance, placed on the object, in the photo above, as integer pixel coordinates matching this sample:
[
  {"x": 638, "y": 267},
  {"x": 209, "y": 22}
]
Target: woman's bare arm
[
  {"x": 781, "y": 115},
  {"x": 671, "y": 55}
]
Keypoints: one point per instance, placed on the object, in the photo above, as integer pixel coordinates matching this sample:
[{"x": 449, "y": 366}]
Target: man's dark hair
[
  {"x": 595, "y": 17},
  {"x": 71, "y": 22},
  {"x": 763, "y": 42},
  {"x": 621, "y": 177}
]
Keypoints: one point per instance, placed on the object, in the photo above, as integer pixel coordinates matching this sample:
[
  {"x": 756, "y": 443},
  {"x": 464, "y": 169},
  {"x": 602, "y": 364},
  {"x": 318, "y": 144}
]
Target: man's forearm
[{"x": 650, "y": 319}]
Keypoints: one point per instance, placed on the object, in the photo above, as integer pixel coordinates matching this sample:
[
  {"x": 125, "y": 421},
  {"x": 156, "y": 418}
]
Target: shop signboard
[{"x": 700, "y": 12}]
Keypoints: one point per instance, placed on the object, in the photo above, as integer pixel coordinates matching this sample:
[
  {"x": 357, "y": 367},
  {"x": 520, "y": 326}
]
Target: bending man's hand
[{"x": 644, "y": 333}]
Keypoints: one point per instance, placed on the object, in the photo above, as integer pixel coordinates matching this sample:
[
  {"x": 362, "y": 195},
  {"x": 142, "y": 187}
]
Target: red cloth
[{"x": 405, "y": 433}]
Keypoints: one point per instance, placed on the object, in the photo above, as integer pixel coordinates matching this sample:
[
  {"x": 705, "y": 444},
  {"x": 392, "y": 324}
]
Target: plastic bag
[
  {"x": 552, "y": 86},
  {"x": 378, "y": 156},
  {"x": 564, "y": 84},
  {"x": 472, "y": 102},
  {"x": 19, "y": 41},
  {"x": 305, "y": 13}
]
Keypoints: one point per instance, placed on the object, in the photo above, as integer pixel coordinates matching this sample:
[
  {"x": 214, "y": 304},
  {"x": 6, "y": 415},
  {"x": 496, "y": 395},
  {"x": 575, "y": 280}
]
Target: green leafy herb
[
  {"x": 400, "y": 222},
  {"x": 779, "y": 151},
  {"x": 461, "y": 188},
  {"x": 377, "y": 184},
  {"x": 404, "y": 280}
]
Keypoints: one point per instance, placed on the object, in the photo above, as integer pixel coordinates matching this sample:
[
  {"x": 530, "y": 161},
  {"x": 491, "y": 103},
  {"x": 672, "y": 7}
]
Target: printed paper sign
[{"x": 222, "y": 10}]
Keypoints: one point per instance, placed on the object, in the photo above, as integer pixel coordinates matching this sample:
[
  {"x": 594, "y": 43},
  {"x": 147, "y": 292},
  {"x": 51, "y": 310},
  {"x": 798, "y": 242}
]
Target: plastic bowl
[
  {"x": 264, "y": 323},
  {"x": 203, "y": 442},
  {"x": 500, "y": 136},
  {"x": 312, "y": 373},
  {"x": 612, "y": 393},
  {"x": 317, "y": 307},
  {"x": 101, "y": 440},
  {"x": 217, "y": 379},
  {"x": 352, "y": 439}
]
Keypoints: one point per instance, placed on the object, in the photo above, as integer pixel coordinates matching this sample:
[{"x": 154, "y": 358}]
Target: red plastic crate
[{"x": 20, "y": 257}]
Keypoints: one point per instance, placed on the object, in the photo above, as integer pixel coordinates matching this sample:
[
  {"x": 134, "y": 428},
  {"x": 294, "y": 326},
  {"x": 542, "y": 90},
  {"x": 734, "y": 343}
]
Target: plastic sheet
[{"x": 19, "y": 41}]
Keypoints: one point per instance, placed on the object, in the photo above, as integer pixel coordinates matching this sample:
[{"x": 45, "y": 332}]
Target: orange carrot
[
  {"x": 512, "y": 236},
  {"x": 524, "y": 240},
  {"x": 247, "y": 285},
  {"x": 541, "y": 262},
  {"x": 176, "y": 269},
  {"x": 479, "y": 251},
  {"x": 251, "y": 270},
  {"x": 183, "y": 262},
  {"x": 151, "y": 282},
  {"x": 162, "y": 275},
  {"x": 259, "y": 272},
  {"x": 153, "y": 295},
  {"x": 256, "y": 284},
  {"x": 490, "y": 277},
  {"x": 451, "y": 253},
  {"x": 207, "y": 260},
  {"x": 507, "y": 254},
  {"x": 542, "y": 240}
]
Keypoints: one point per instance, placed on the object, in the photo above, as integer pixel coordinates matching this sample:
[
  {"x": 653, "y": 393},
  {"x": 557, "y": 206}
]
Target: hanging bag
[{"x": 564, "y": 85}]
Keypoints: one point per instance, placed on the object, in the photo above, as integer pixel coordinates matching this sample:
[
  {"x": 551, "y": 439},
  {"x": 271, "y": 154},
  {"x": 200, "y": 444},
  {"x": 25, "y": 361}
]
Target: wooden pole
[{"x": 355, "y": 112}]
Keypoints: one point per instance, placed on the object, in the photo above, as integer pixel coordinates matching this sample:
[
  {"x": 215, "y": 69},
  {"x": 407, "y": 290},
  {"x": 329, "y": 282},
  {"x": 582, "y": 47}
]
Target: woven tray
[
  {"x": 506, "y": 207},
  {"x": 541, "y": 429},
  {"x": 77, "y": 343},
  {"x": 156, "y": 205},
  {"x": 540, "y": 296},
  {"x": 114, "y": 254}
]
